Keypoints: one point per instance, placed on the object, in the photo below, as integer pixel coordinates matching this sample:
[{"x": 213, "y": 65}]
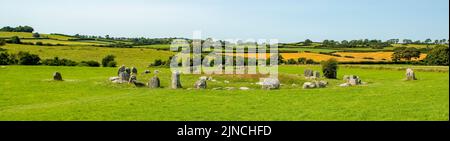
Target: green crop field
[{"x": 28, "y": 93}]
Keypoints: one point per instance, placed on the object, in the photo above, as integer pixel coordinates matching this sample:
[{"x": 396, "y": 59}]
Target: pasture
[{"x": 28, "y": 93}]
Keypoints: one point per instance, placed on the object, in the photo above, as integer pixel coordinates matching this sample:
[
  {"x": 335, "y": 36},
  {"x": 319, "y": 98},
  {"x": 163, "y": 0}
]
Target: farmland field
[{"x": 86, "y": 94}]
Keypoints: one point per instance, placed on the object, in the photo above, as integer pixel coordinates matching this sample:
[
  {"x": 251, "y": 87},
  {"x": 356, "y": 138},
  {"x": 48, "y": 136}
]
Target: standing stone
[
  {"x": 124, "y": 76},
  {"x": 134, "y": 70},
  {"x": 154, "y": 82},
  {"x": 308, "y": 73},
  {"x": 176, "y": 82},
  {"x": 316, "y": 74},
  {"x": 128, "y": 70},
  {"x": 57, "y": 76},
  {"x": 270, "y": 83},
  {"x": 200, "y": 84},
  {"x": 121, "y": 69},
  {"x": 410, "y": 75}
]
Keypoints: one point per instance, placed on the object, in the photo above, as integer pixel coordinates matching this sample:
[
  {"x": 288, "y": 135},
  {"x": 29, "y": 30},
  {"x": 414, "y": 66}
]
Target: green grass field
[{"x": 28, "y": 93}]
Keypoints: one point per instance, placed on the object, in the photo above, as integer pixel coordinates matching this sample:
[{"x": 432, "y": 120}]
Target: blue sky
[{"x": 286, "y": 20}]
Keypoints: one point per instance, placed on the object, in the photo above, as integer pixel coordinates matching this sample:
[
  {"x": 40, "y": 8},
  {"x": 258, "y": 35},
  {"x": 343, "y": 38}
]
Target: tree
[
  {"x": 307, "y": 42},
  {"x": 438, "y": 56},
  {"x": 329, "y": 68},
  {"x": 2, "y": 42},
  {"x": 428, "y": 41},
  {"x": 15, "y": 40},
  {"x": 36, "y": 35},
  {"x": 405, "y": 53},
  {"x": 107, "y": 59}
]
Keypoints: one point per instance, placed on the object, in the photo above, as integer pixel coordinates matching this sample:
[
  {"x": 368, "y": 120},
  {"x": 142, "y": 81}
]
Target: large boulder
[
  {"x": 154, "y": 82},
  {"x": 57, "y": 76},
  {"x": 270, "y": 83},
  {"x": 176, "y": 81},
  {"x": 200, "y": 84},
  {"x": 410, "y": 75}
]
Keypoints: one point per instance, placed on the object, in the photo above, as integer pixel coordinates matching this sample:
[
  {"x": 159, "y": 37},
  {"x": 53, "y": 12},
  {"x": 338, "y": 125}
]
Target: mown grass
[{"x": 28, "y": 93}]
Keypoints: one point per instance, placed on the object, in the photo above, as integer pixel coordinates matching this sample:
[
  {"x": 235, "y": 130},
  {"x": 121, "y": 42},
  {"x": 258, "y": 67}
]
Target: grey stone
[
  {"x": 132, "y": 78},
  {"x": 154, "y": 82},
  {"x": 57, "y": 76},
  {"x": 176, "y": 81},
  {"x": 200, "y": 84},
  {"x": 114, "y": 78},
  {"x": 309, "y": 85},
  {"x": 344, "y": 85},
  {"x": 124, "y": 76},
  {"x": 410, "y": 75},
  {"x": 244, "y": 88},
  {"x": 121, "y": 69},
  {"x": 134, "y": 70},
  {"x": 270, "y": 83},
  {"x": 308, "y": 73},
  {"x": 321, "y": 84},
  {"x": 316, "y": 74},
  {"x": 354, "y": 80}
]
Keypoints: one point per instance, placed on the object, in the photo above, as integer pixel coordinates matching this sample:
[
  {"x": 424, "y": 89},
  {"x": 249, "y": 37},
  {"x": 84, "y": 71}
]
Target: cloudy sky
[{"x": 286, "y": 20}]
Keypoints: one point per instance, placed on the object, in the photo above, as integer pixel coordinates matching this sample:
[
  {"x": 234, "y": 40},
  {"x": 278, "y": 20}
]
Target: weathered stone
[
  {"x": 132, "y": 78},
  {"x": 176, "y": 81},
  {"x": 309, "y": 85},
  {"x": 124, "y": 76},
  {"x": 321, "y": 84},
  {"x": 121, "y": 69},
  {"x": 114, "y": 78},
  {"x": 270, "y": 83},
  {"x": 244, "y": 88},
  {"x": 308, "y": 73},
  {"x": 57, "y": 76},
  {"x": 316, "y": 74},
  {"x": 410, "y": 75},
  {"x": 128, "y": 70},
  {"x": 154, "y": 82},
  {"x": 200, "y": 84},
  {"x": 354, "y": 80},
  {"x": 134, "y": 70}
]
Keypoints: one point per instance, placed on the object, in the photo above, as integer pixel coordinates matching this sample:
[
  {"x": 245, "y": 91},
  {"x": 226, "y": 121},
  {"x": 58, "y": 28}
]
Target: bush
[
  {"x": 112, "y": 64},
  {"x": 36, "y": 35},
  {"x": 291, "y": 61},
  {"x": 15, "y": 40},
  {"x": 368, "y": 58},
  {"x": 438, "y": 56},
  {"x": 349, "y": 57},
  {"x": 89, "y": 63},
  {"x": 25, "y": 58},
  {"x": 310, "y": 61},
  {"x": 301, "y": 60},
  {"x": 107, "y": 59},
  {"x": 59, "y": 62},
  {"x": 39, "y": 43},
  {"x": 2, "y": 42},
  {"x": 329, "y": 68}
]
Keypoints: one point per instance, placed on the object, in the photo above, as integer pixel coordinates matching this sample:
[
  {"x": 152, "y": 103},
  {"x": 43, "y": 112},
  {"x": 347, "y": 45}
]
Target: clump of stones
[{"x": 129, "y": 75}]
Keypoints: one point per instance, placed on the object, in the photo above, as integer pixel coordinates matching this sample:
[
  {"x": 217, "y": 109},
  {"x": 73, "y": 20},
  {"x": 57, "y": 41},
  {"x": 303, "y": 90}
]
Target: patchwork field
[{"x": 28, "y": 93}]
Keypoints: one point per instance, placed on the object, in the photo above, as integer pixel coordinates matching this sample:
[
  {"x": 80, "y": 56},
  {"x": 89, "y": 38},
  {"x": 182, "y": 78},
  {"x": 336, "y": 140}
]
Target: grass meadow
[{"x": 28, "y": 93}]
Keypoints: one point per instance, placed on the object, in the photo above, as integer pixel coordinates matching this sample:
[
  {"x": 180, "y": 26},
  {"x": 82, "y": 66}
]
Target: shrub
[
  {"x": 89, "y": 63},
  {"x": 36, "y": 35},
  {"x": 15, "y": 40},
  {"x": 438, "y": 56},
  {"x": 59, "y": 62},
  {"x": 368, "y": 58},
  {"x": 310, "y": 61},
  {"x": 25, "y": 58},
  {"x": 329, "y": 68},
  {"x": 39, "y": 43},
  {"x": 349, "y": 57},
  {"x": 2, "y": 42},
  {"x": 291, "y": 61},
  {"x": 301, "y": 60},
  {"x": 4, "y": 58},
  {"x": 112, "y": 64},
  {"x": 107, "y": 59}
]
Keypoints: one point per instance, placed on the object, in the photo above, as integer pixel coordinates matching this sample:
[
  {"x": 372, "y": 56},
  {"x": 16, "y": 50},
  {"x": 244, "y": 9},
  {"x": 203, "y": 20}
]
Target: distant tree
[
  {"x": 307, "y": 42},
  {"x": 427, "y": 41},
  {"x": 405, "y": 53},
  {"x": 438, "y": 56},
  {"x": 329, "y": 68},
  {"x": 15, "y": 40},
  {"x": 17, "y": 29},
  {"x": 36, "y": 35}
]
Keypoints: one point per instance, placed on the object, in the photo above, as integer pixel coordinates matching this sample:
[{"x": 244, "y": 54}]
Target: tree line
[{"x": 17, "y": 29}]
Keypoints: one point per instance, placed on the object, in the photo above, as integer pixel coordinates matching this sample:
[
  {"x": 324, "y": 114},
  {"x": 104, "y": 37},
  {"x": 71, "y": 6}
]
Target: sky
[{"x": 285, "y": 20}]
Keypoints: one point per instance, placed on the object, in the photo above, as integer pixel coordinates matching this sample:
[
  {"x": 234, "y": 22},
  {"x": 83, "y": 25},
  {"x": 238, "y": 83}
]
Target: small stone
[
  {"x": 270, "y": 83},
  {"x": 154, "y": 82},
  {"x": 309, "y": 85},
  {"x": 344, "y": 85},
  {"x": 200, "y": 84},
  {"x": 244, "y": 88}
]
